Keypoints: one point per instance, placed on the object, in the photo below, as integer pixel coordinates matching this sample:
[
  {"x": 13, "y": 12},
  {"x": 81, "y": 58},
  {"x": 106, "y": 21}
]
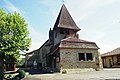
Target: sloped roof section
[
  {"x": 70, "y": 39},
  {"x": 64, "y": 20},
  {"x": 77, "y": 43},
  {"x": 113, "y": 52}
]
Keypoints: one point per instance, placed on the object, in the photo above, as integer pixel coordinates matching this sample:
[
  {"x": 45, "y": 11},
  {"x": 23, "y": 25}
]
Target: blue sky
[{"x": 99, "y": 20}]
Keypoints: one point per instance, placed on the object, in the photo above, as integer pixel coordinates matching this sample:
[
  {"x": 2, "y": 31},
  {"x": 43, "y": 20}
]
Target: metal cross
[{"x": 63, "y": 1}]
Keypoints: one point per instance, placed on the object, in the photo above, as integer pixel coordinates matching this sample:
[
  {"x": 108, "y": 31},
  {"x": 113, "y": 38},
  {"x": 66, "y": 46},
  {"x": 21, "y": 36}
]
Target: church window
[
  {"x": 81, "y": 57},
  {"x": 62, "y": 31},
  {"x": 68, "y": 31}
]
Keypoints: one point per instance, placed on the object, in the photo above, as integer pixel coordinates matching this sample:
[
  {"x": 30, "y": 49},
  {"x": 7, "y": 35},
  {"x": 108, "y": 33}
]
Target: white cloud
[
  {"x": 37, "y": 38},
  {"x": 10, "y": 7},
  {"x": 82, "y": 9},
  {"x": 107, "y": 47},
  {"x": 116, "y": 20},
  {"x": 96, "y": 35}
]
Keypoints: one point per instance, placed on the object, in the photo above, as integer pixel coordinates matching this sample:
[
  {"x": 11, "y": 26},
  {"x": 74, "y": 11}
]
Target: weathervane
[{"x": 63, "y": 1}]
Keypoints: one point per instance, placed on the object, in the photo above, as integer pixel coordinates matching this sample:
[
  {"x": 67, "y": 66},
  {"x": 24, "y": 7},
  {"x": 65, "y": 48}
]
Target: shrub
[
  {"x": 7, "y": 77},
  {"x": 20, "y": 75}
]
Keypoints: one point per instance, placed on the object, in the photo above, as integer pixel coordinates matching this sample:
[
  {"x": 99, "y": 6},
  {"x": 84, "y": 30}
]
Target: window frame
[
  {"x": 82, "y": 58},
  {"x": 86, "y": 57},
  {"x": 89, "y": 57}
]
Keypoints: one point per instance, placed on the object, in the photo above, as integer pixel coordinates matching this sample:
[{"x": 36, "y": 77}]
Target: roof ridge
[
  {"x": 69, "y": 39},
  {"x": 113, "y": 52},
  {"x": 64, "y": 20}
]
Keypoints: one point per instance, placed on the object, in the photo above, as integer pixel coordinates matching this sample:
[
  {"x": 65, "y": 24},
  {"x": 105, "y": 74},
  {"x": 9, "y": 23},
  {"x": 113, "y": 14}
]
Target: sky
[{"x": 99, "y": 20}]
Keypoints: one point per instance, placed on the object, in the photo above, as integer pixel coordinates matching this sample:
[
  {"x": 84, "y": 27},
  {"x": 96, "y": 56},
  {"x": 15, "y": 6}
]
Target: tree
[{"x": 14, "y": 36}]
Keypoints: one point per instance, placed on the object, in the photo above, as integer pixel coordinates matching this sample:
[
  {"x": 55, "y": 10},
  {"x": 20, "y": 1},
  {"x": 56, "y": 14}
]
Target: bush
[
  {"x": 20, "y": 75},
  {"x": 7, "y": 77}
]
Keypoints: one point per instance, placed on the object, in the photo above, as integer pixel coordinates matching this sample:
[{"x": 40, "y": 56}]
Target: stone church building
[{"x": 64, "y": 50}]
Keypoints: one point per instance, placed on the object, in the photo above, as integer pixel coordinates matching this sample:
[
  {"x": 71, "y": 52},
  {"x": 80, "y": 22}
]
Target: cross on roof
[{"x": 63, "y": 1}]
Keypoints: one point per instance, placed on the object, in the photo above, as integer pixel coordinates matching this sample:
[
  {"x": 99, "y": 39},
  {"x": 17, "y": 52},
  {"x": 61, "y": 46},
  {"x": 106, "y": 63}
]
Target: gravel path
[{"x": 113, "y": 73}]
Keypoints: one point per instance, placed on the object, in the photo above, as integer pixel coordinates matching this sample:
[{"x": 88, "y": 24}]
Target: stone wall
[
  {"x": 58, "y": 37},
  {"x": 69, "y": 58},
  {"x": 43, "y": 51},
  {"x": 38, "y": 55},
  {"x": 80, "y": 64}
]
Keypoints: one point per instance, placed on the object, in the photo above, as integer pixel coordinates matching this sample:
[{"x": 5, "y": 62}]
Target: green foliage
[
  {"x": 20, "y": 76},
  {"x": 21, "y": 73},
  {"x": 7, "y": 76},
  {"x": 14, "y": 36},
  {"x": 20, "y": 62}
]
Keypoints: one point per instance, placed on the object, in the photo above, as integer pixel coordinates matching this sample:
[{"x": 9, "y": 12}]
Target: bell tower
[{"x": 64, "y": 26}]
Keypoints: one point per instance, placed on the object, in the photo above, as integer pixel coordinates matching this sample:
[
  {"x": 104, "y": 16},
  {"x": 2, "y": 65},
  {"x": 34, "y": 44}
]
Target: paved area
[{"x": 105, "y": 74}]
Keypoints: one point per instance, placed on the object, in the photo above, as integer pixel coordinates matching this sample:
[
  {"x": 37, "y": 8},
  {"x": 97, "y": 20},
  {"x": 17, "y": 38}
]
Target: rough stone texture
[
  {"x": 80, "y": 64},
  {"x": 70, "y": 59},
  {"x": 65, "y": 44}
]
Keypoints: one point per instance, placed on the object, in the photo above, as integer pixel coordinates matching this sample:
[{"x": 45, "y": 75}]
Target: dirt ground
[{"x": 105, "y": 74}]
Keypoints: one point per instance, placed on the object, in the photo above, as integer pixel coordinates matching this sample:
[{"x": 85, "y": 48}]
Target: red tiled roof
[
  {"x": 70, "y": 39},
  {"x": 77, "y": 43},
  {"x": 114, "y": 52}
]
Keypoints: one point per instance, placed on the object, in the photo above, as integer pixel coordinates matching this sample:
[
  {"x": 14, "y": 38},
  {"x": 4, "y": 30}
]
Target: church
[{"x": 64, "y": 50}]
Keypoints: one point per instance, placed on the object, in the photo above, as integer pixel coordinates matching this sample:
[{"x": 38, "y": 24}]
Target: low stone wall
[{"x": 76, "y": 71}]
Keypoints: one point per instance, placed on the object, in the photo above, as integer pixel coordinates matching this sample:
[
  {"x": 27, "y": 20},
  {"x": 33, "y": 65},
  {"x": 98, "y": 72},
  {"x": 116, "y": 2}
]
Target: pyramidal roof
[{"x": 64, "y": 20}]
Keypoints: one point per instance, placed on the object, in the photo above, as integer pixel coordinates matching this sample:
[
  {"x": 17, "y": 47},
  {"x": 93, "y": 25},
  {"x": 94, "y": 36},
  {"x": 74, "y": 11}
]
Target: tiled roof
[
  {"x": 77, "y": 43},
  {"x": 70, "y": 39},
  {"x": 64, "y": 20},
  {"x": 114, "y": 52}
]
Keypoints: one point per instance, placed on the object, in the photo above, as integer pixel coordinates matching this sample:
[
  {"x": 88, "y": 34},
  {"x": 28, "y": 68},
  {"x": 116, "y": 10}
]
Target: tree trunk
[{"x": 10, "y": 66}]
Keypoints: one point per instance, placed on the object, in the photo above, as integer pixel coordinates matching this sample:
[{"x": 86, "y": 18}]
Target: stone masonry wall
[{"x": 70, "y": 58}]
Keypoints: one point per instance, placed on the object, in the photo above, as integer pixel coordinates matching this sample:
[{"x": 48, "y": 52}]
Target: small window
[
  {"x": 68, "y": 31},
  {"x": 89, "y": 56},
  {"x": 62, "y": 31},
  {"x": 56, "y": 35},
  {"x": 81, "y": 57}
]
